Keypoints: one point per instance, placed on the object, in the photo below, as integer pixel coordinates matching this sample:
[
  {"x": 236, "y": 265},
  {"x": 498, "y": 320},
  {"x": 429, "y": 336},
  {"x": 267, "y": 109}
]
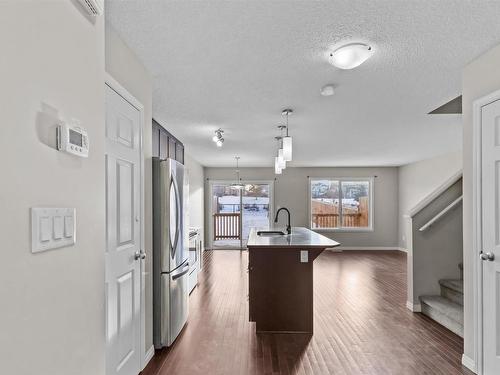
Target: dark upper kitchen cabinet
[
  {"x": 155, "y": 140},
  {"x": 179, "y": 152},
  {"x": 165, "y": 145}
]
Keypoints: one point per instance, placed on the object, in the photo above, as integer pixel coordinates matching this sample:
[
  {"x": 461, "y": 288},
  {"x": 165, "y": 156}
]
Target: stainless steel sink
[{"x": 270, "y": 233}]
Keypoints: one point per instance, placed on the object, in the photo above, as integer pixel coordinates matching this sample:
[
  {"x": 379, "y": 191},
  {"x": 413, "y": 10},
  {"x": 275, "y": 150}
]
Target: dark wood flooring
[{"x": 361, "y": 324}]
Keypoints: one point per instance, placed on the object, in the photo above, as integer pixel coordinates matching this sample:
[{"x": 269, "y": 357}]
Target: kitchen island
[{"x": 280, "y": 281}]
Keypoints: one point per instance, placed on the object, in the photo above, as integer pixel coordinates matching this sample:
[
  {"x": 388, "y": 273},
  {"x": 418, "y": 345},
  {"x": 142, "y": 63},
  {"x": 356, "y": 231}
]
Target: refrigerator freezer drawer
[{"x": 174, "y": 305}]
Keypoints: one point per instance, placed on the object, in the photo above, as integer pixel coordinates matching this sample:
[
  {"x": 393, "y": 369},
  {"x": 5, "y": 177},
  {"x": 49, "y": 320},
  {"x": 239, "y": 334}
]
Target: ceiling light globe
[
  {"x": 219, "y": 142},
  {"x": 351, "y": 55}
]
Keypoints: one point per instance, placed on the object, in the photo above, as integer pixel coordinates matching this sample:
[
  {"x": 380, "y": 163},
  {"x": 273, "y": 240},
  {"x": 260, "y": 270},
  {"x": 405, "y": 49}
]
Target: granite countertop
[{"x": 300, "y": 238}]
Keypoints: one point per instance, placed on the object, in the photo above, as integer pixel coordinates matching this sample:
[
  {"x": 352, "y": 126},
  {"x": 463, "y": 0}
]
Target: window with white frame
[{"x": 341, "y": 203}]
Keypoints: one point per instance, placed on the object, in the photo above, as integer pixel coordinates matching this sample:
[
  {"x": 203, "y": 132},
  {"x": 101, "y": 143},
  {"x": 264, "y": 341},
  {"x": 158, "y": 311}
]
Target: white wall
[
  {"x": 418, "y": 180},
  {"x": 291, "y": 191},
  {"x": 52, "y": 68},
  {"x": 125, "y": 67},
  {"x": 479, "y": 78},
  {"x": 196, "y": 192}
]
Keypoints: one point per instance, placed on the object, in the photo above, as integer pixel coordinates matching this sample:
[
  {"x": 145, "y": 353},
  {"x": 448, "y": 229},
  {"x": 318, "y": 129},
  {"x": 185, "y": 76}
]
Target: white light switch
[
  {"x": 45, "y": 229},
  {"x": 52, "y": 228},
  {"x": 57, "y": 227},
  {"x": 304, "y": 256},
  {"x": 68, "y": 226}
]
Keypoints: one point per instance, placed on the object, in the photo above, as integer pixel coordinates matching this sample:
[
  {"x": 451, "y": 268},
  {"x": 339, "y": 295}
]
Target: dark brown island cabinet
[{"x": 280, "y": 281}]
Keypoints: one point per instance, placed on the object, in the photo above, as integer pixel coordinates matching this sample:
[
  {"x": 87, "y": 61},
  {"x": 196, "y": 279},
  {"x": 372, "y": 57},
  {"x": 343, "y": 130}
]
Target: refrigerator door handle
[
  {"x": 186, "y": 270},
  {"x": 174, "y": 191}
]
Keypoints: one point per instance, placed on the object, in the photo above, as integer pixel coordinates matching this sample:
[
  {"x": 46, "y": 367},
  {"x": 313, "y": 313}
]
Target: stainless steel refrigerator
[{"x": 170, "y": 252}]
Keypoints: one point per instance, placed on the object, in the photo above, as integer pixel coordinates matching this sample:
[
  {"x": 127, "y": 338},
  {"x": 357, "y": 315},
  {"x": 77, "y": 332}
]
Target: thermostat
[{"x": 73, "y": 139}]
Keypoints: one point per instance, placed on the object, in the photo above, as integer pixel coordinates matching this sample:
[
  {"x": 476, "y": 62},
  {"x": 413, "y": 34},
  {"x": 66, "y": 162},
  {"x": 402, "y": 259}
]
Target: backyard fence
[{"x": 326, "y": 215}]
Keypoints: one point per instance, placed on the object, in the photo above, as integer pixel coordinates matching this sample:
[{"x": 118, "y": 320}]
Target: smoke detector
[
  {"x": 93, "y": 7},
  {"x": 328, "y": 90}
]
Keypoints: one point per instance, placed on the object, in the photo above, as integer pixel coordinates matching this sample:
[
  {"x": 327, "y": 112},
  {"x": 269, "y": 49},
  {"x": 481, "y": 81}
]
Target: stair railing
[{"x": 442, "y": 213}]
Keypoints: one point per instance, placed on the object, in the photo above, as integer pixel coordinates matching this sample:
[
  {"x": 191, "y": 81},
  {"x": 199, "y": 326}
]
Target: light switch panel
[
  {"x": 52, "y": 228},
  {"x": 304, "y": 256}
]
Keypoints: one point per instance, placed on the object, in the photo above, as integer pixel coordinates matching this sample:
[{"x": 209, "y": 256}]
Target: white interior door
[
  {"x": 123, "y": 252},
  {"x": 490, "y": 129}
]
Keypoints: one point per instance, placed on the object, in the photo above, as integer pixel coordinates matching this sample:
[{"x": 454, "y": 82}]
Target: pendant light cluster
[
  {"x": 284, "y": 145},
  {"x": 237, "y": 184},
  {"x": 217, "y": 138}
]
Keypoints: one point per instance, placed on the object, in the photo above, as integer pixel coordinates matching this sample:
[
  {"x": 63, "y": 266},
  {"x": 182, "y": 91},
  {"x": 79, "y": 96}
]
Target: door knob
[
  {"x": 139, "y": 255},
  {"x": 487, "y": 256}
]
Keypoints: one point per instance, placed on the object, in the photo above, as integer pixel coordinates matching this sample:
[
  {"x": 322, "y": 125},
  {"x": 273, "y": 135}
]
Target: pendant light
[
  {"x": 281, "y": 160},
  {"x": 237, "y": 185},
  {"x": 277, "y": 169},
  {"x": 278, "y": 162},
  {"x": 287, "y": 140}
]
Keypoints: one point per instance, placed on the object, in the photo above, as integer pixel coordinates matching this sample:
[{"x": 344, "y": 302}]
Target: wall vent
[{"x": 93, "y": 7}]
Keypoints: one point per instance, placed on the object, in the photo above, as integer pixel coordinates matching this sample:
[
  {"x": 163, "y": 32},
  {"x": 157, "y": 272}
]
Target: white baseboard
[
  {"x": 469, "y": 363},
  {"x": 149, "y": 354},
  {"x": 375, "y": 248},
  {"x": 415, "y": 307}
]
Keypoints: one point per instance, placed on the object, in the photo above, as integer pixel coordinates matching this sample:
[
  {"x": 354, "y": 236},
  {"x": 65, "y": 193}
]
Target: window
[{"x": 341, "y": 203}]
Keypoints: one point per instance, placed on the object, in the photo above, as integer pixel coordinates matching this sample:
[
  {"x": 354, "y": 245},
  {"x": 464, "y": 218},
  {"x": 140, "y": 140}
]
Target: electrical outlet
[{"x": 304, "y": 256}]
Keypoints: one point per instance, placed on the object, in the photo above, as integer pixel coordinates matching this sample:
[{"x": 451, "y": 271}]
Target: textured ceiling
[{"x": 237, "y": 64}]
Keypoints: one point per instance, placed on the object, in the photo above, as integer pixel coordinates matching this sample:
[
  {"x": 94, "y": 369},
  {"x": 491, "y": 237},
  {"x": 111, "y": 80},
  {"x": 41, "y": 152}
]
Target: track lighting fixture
[{"x": 217, "y": 138}]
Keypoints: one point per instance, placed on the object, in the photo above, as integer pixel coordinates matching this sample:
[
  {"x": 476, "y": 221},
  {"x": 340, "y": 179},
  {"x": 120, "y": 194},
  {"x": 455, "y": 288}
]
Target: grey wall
[
  {"x": 438, "y": 250},
  {"x": 418, "y": 180},
  {"x": 51, "y": 69},
  {"x": 479, "y": 78},
  {"x": 291, "y": 190},
  {"x": 125, "y": 67}
]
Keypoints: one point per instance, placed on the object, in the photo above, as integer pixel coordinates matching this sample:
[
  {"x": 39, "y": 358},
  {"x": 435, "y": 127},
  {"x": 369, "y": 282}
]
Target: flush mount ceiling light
[
  {"x": 287, "y": 140},
  {"x": 217, "y": 138},
  {"x": 327, "y": 90},
  {"x": 237, "y": 184},
  {"x": 350, "y": 55}
]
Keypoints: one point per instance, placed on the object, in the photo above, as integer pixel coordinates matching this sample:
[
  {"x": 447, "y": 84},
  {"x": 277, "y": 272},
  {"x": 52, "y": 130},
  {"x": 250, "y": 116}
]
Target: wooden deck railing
[
  {"x": 332, "y": 220},
  {"x": 227, "y": 226}
]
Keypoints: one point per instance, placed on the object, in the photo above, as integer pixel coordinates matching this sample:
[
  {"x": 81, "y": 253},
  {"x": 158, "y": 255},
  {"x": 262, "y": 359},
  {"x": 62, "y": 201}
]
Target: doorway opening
[{"x": 234, "y": 212}]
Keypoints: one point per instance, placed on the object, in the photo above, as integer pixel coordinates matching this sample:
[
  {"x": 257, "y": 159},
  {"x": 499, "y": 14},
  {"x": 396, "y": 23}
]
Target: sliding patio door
[{"x": 235, "y": 211}]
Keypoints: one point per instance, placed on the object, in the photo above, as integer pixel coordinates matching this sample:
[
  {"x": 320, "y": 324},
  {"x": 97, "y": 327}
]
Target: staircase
[{"x": 448, "y": 308}]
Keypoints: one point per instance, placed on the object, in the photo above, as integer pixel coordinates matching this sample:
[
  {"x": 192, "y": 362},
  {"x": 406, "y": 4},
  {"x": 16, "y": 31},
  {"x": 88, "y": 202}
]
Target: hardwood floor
[{"x": 361, "y": 324}]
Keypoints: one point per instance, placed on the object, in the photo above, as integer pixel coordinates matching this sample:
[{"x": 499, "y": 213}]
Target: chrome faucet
[{"x": 288, "y": 227}]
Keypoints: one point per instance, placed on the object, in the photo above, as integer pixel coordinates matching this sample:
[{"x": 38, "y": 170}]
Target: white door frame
[
  {"x": 122, "y": 91},
  {"x": 477, "y": 229},
  {"x": 228, "y": 182}
]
